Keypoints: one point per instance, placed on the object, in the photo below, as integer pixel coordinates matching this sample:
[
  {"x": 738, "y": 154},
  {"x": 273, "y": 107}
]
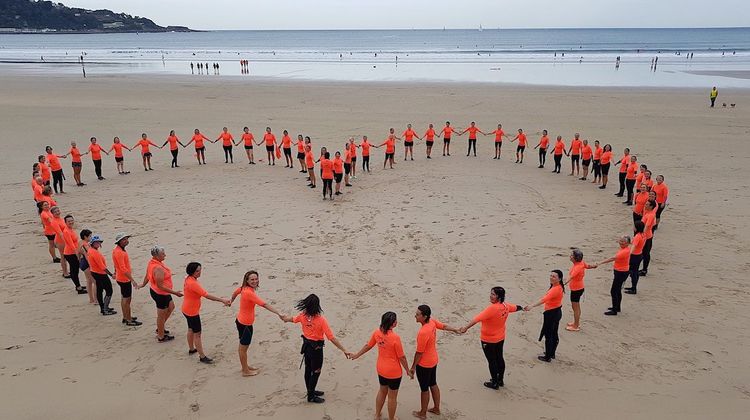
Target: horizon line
[{"x": 489, "y": 28}]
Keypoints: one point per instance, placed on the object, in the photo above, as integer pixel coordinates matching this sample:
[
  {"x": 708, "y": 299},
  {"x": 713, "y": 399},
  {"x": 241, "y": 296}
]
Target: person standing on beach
[
  {"x": 49, "y": 229},
  {"x": 353, "y": 155},
  {"x": 574, "y": 151},
  {"x": 145, "y": 142},
  {"x": 101, "y": 275},
  {"x": 301, "y": 153},
  {"x": 542, "y": 145},
  {"x": 621, "y": 271},
  {"x": 246, "y": 317},
  {"x": 191, "y": 307},
  {"x": 662, "y": 196},
  {"x": 521, "y": 137},
  {"x": 426, "y": 360},
  {"x": 586, "y": 154},
  {"x": 597, "y": 163},
  {"x": 286, "y": 147},
  {"x": 56, "y": 168},
  {"x": 338, "y": 170},
  {"x": 575, "y": 279},
  {"x": 58, "y": 224},
  {"x": 623, "y": 162},
  {"x": 44, "y": 170},
  {"x": 409, "y": 135},
  {"x": 96, "y": 156},
  {"x": 499, "y": 134},
  {"x": 124, "y": 278},
  {"x": 714, "y": 94},
  {"x": 159, "y": 278},
  {"x": 366, "y": 154},
  {"x": 473, "y": 130},
  {"x": 492, "y": 334},
  {"x": 227, "y": 142},
  {"x": 447, "y": 132},
  {"x": 315, "y": 330},
  {"x": 639, "y": 202},
  {"x": 390, "y": 147},
  {"x": 649, "y": 221},
  {"x": 558, "y": 151},
  {"x": 70, "y": 252},
  {"x": 310, "y": 165},
  {"x": 630, "y": 174},
  {"x": 552, "y": 301},
  {"x": 248, "y": 139},
  {"x": 636, "y": 256},
  {"x": 173, "y": 142},
  {"x": 391, "y": 359},
  {"x": 117, "y": 147},
  {"x": 429, "y": 137},
  {"x": 270, "y": 141},
  {"x": 326, "y": 174},
  {"x": 200, "y": 148},
  {"x": 83, "y": 263},
  {"x": 77, "y": 164},
  {"x": 604, "y": 163}
]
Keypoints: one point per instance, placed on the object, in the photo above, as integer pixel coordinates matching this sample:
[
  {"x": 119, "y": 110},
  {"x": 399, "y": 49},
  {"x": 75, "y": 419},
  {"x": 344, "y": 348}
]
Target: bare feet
[
  {"x": 249, "y": 373},
  {"x": 419, "y": 415},
  {"x": 252, "y": 368},
  {"x": 435, "y": 411}
]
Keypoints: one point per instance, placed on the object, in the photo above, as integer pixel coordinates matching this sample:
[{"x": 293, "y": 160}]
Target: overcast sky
[{"x": 408, "y": 14}]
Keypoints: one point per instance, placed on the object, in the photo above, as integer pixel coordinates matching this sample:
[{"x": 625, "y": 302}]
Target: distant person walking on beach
[
  {"x": 200, "y": 147},
  {"x": 552, "y": 301},
  {"x": 173, "y": 142},
  {"x": 714, "y": 95}
]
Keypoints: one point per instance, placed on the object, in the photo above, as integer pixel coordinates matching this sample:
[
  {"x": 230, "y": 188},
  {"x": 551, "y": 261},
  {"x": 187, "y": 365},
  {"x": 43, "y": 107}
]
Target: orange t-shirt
[
  {"x": 631, "y": 170},
  {"x": 192, "y": 294},
  {"x": 622, "y": 260},
  {"x": 586, "y": 152},
  {"x": 54, "y": 162},
  {"x": 248, "y": 300},
  {"x": 559, "y": 147},
  {"x": 390, "y": 351},
  {"x": 575, "y": 147},
  {"x": 624, "y": 161},
  {"x": 338, "y": 165},
  {"x": 472, "y": 132},
  {"x": 44, "y": 171},
  {"x": 58, "y": 223},
  {"x": 286, "y": 142},
  {"x": 47, "y": 219},
  {"x": 409, "y": 135},
  {"x": 429, "y": 134},
  {"x": 71, "y": 241},
  {"x": 96, "y": 261},
  {"x": 75, "y": 154},
  {"x": 248, "y": 138},
  {"x": 639, "y": 241},
  {"x": 167, "y": 282},
  {"x": 390, "y": 145},
  {"x": 348, "y": 157},
  {"x": 314, "y": 328},
  {"x": 96, "y": 151},
  {"x": 198, "y": 139},
  {"x": 144, "y": 143},
  {"x": 544, "y": 142},
  {"x": 121, "y": 263},
  {"x": 640, "y": 202},
  {"x": 117, "y": 147},
  {"x": 662, "y": 192},
  {"x": 522, "y": 139},
  {"x": 427, "y": 343},
  {"x": 499, "y": 133},
  {"x": 598, "y": 153},
  {"x": 553, "y": 298},
  {"x": 493, "y": 319},
  {"x": 326, "y": 167},
  {"x": 353, "y": 150},
  {"x": 38, "y": 196},
  {"x": 270, "y": 139},
  {"x": 309, "y": 160},
  {"x": 576, "y": 274},
  {"x": 226, "y": 140},
  {"x": 606, "y": 158},
  {"x": 447, "y": 131},
  {"x": 172, "y": 140},
  {"x": 366, "y": 147},
  {"x": 649, "y": 220}
]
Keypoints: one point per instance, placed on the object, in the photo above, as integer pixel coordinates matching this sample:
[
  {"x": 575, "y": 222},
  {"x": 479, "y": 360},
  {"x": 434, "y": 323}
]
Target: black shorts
[
  {"x": 542, "y": 150},
  {"x": 586, "y": 162},
  {"x": 269, "y": 148},
  {"x": 659, "y": 209},
  {"x": 119, "y": 159},
  {"x": 77, "y": 164},
  {"x": 245, "y": 333},
  {"x": 520, "y": 148},
  {"x": 575, "y": 295},
  {"x": 427, "y": 377},
  {"x": 447, "y": 141},
  {"x": 83, "y": 264},
  {"x": 126, "y": 289},
  {"x": 605, "y": 168},
  {"x": 354, "y": 159},
  {"x": 347, "y": 168},
  {"x": 392, "y": 384},
  {"x": 162, "y": 301},
  {"x": 389, "y": 156},
  {"x": 575, "y": 158},
  {"x": 498, "y": 144},
  {"x": 300, "y": 155},
  {"x": 429, "y": 143},
  {"x": 194, "y": 323},
  {"x": 287, "y": 151},
  {"x": 248, "y": 147},
  {"x": 147, "y": 154},
  {"x": 338, "y": 177},
  {"x": 408, "y": 143},
  {"x": 50, "y": 237},
  {"x": 200, "y": 149}
]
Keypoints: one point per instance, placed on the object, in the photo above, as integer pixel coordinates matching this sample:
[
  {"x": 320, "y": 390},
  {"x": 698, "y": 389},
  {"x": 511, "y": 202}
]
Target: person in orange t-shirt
[
  {"x": 492, "y": 334},
  {"x": 101, "y": 274},
  {"x": 70, "y": 252},
  {"x": 117, "y": 147},
  {"x": 248, "y": 139},
  {"x": 662, "y": 197},
  {"x": 44, "y": 170},
  {"x": 76, "y": 163},
  {"x": 49, "y": 230},
  {"x": 577, "y": 287},
  {"x": 270, "y": 141},
  {"x": 447, "y": 132},
  {"x": 542, "y": 145},
  {"x": 499, "y": 134},
  {"x": 558, "y": 150},
  {"x": 200, "y": 148},
  {"x": 426, "y": 360},
  {"x": 630, "y": 175},
  {"x": 365, "y": 145},
  {"x": 353, "y": 155},
  {"x": 409, "y": 135},
  {"x": 246, "y": 316},
  {"x": 159, "y": 278},
  {"x": 326, "y": 174},
  {"x": 391, "y": 359},
  {"x": 473, "y": 130},
  {"x": 145, "y": 142},
  {"x": 597, "y": 163},
  {"x": 649, "y": 222},
  {"x": 310, "y": 165},
  {"x": 348, "y": 164},
  {"x": 639, "y": 203},
  {"x": 574, "y": 151},
  {"x": 586, "y": 155},
  {"x": 390, "y": 148},
  {"x": 621, "y": 272},
  {"x": 552, "y": 301},
  {"x": 315, "y": 330},
  {"x": 300, "y": 143},
  {"x": 521, "y": 137},
  {"x": 191, "y": 307},
  {"x": 636, "y": 256},
  {"x": 58, "y": 225},
  {"x": 124, "y": 278},
  {"x": 173, "y": 141},
  {"x": 338, "y": 170},
  {"x": 429, "y": 137},
  {"x": 96, "y": 156},
  {"x": 226, "y": 143},
  {"x": 286, "y": 147},
  {"x": 623, "y": 162},
  {"x": 56, "y": 168},
  {"x": 604, "y": 164}
]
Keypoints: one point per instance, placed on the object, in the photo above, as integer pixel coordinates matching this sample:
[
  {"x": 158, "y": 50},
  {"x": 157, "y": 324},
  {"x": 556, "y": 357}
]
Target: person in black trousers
[
  {"x": 623, "y": 162},
  {"x": 552, "y": 302},
  {"x": 621, "y": 273}
]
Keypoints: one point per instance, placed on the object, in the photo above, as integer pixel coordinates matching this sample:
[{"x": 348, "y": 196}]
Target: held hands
[
  {"x": 347, "y": 354},
  {"x": 178, "y": 293},
  {"x": 226, "y": 302},
  {"x": 526, "y": 308},
  {"x": 411, "y": 373}
]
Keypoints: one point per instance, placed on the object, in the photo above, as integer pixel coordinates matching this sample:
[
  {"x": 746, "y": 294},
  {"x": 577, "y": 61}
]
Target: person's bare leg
[
  {"x": 198, "y": 344},
  {"x": 392, "y": 403},
  {"x": 380, "y": 401},
  {"x": 63, "y": 262},
  {"x": 576, "y": 314},
  {"x": 424, "y": 400},
  {"x": 90, "y": 285},
  {"x": 190, "y": 339},
  {"x": 435, "y": 391},
  {"x": 160, "y": 321},
  {"x": 52, "y": 249}
]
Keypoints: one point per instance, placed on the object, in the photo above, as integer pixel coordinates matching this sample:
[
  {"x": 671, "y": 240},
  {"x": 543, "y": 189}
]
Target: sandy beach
[{"x": 440, "y": 232}]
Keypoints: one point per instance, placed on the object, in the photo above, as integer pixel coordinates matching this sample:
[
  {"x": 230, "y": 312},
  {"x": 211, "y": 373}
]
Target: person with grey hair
[
  {"x": 621, "y": 272},
  {"x": 575, "y": 279},
  {"x": 159, "y": 277}
]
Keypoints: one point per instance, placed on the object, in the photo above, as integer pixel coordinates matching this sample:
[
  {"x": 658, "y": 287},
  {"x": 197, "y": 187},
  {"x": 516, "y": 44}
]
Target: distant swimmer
[
  {"x": 191, "y": 306},
  {"x": 145, "y": 143},
  {"x": 117, "y": 147},
  {"x": 472, "y": 129},
  {"x": 552, "y": 301},
  {"x": 447, "y": 132},
  {"x": 200, "y": 147},
  {"x": 429, "y": 137},
  {"x": 227, "y": 142},
  {"x": 574, "y": 151},
  {"x": 499, "y": 134},
  {"x": 409, "y": 135},
  {"x": 605, "y": 162},
  {"x": 173, "y": 142},
  {"x": 521, "y": 137},
  {"x": 558, "y": 150},
  {"x": 542, "y": 145}
]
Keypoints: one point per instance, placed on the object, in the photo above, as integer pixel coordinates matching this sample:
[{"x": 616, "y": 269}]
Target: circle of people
[{"x": 647, "y": 197}]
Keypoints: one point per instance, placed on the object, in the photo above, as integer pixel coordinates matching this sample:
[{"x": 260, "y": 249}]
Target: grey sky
[{"x": 407, "y": 14}]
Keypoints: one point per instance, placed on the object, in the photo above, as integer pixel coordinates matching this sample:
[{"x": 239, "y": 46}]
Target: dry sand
[{"x": 440, "y": 232}]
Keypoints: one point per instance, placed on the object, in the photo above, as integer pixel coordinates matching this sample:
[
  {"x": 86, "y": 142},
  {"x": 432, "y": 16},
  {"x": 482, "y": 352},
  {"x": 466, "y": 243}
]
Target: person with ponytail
[
  {"x": 552, "y": 301},
  {"x": 492, "y": 334},
  {"x": 391, "y": 359},
  {"x": 191, "y": 307},
  {"x": 314, "y": 331}
]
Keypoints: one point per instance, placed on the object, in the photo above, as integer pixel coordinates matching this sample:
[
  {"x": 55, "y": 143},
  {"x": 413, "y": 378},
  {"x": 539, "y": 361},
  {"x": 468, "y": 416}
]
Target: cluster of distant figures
[{"x": 244, "y": 67}]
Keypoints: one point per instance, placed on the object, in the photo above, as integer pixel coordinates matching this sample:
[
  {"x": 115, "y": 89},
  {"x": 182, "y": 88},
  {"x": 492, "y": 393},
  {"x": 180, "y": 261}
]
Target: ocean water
[{"x": 569, "y": 57}]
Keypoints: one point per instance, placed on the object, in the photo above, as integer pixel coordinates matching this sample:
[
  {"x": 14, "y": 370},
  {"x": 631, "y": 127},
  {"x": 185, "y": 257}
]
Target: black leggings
[
  {"x": 228, "y": 153},
  {"x": 103, "y": 285},
  {"x": 622, "y": 184},
  {"x": 313, "y": 356},
  {"x": 495, "y": 361},
  {"x": 98, "y": 168},
  {"x": 616, "y": 290},
  {"x": 72, "y": 260},
  {"x": 57, "y": 179},
  {"x": 472, "y": 144},
  {"x": 542, "y": 156},
  {"x": 597, "y": 169},
  {"x": 629, "y": 184},
  {"x": 366, "y": 163},
  {"x": 550, "y": 326},
  {"x": 635, "y": 264},
  {"x": 647, "y": 253},
  {"x": 175, "y": 152},
  {"x": 558, "y": 160},
  {"x": 327, "y": 187}
]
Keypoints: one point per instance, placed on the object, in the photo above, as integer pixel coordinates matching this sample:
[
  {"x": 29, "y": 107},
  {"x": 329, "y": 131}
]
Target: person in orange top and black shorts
[
  {"x": 604, "y": 164},
  {"x": 191, "y": 307},
  {"x": 390, "y": 148},
  {"x": 597, "y": 169},
  {"x": 391, "y": 359},
  {"x": 76, "y": 163},
  {"x": 70, "y": 252},
  {"x": 200, "y": 147},
  {"x": 574, "y": 151},
  {"x": 248, "y": 139},
  {"x": 124, "y": 278},
  {"x": 56, "y": 168},
  {"x": 636, "y": 256},
  {"x": 338, "y": 170},
  {"x": 429, "y": 137},
  {"x": 145, "y": 142},
  {"x": 310, "y": 165},
  {"x": 499, "y": 134},
  {"x": 315, "y": 330},
  {"x": 558, "y": 150},
  {"x": 270, "y": 141},
  {"x": 639, "y": 202},
  {"x": 552, "y": 301},
  {"x": 586, "y": 155},
  {"x": 649, "y": 221},
  {"x": 621, "y": 272},
  {"x": 630, "y": 176},
  {"x": 521, "y": 137},
  {"x": 286, "y": 147},
  {"x": 577, "y": 287},
  {"x": 662, "y": 196},
  {"x": 117, "y": 147},
  {"x": 49, "y": 230},
  {"x": 409, "y": 135},
  {"x": 446, "y": 133},
  {"x": 159, "y": 278},
  {"x": 492, "y": 334}
]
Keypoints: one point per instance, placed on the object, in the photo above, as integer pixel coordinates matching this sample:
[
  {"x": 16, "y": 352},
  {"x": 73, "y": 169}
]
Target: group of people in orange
[{"x": 81, "y": 251}]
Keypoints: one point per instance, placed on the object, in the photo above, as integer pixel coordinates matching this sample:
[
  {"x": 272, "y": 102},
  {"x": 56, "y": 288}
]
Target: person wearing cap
[
  {"x": 159, "y": 277},
  {"x": 101, "y": 273},
  {"x": 124, "y": 278}
]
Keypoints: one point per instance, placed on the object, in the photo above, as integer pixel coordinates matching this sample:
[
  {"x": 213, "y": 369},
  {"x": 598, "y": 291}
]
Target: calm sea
[{"x": 686, "y": 57}]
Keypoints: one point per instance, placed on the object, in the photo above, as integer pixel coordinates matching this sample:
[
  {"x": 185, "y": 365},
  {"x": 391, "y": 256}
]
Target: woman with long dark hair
[
  {"x": 315, "y": 330},
  {"x": 552, "y": 301},
  {"x": 391, "y": 359}
]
